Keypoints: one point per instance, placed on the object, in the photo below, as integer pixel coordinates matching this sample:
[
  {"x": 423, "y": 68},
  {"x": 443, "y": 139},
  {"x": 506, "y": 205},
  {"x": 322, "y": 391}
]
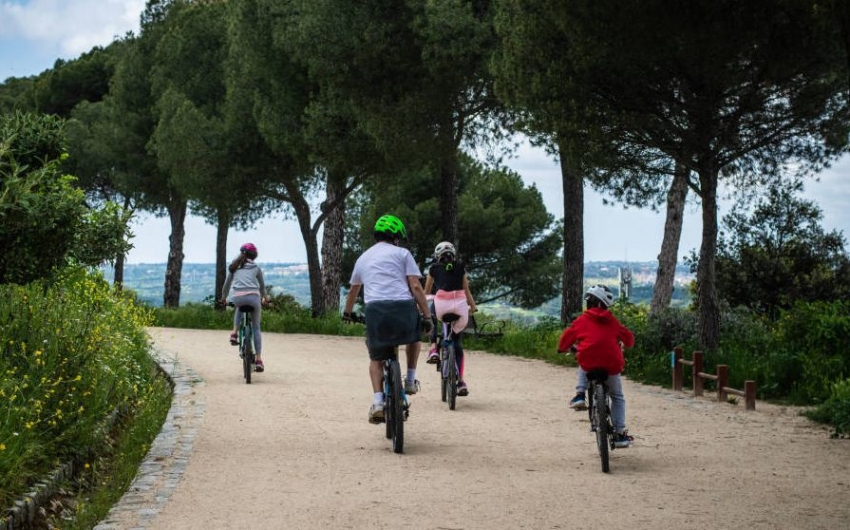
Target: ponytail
[{"x": 238, "y": 263}]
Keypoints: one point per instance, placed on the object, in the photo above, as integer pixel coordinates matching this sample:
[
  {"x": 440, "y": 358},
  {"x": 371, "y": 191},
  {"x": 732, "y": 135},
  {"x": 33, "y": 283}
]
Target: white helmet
[
  {"x": 602, "y": 293},
  {"x": 444, "y": 248}
]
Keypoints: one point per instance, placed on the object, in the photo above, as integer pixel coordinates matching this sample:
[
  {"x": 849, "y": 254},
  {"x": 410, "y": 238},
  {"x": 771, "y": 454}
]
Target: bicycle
[
  {"x": 396, "y": 406},
  {"x": 447, "y": 363},
  {"x": 245, "y": 340},
  {"x": 599, "y": 411}
]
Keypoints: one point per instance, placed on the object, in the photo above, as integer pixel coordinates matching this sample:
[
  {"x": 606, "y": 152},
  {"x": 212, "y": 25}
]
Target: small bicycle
[
  {"x": 599, "y": 411},
  {"x": 447, "y": 363},
  {"x": 245, "y": 340},
  {"x": 396, "y": 407}
]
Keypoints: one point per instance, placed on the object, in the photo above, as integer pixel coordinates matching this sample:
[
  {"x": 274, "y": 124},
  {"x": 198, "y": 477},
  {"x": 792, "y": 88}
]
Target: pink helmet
[{"x": 249, "y": 250}]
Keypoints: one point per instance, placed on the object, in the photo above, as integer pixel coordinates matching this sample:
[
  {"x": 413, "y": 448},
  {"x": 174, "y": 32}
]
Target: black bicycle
[
  {"x": 599, "y": 410},
  {"x": 396, "y": 407},
  {"x": 447, "y": 363},
  {"x": 245, "y": 340}
]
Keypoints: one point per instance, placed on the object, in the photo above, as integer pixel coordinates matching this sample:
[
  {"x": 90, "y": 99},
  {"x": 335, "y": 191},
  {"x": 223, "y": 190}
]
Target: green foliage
[
  {"x": 836, "y": 410},
  {"x": 776, "y": 253},
  {"x": 817, "y": 333},
  {"x": 507, "y": 239},
  {"x": 72, "y": 352},
  {"x": 45, "y": 223}
]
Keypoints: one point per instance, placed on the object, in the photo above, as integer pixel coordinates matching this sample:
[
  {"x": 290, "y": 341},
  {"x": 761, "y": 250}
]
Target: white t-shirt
[{"x": 383, "y": 270}]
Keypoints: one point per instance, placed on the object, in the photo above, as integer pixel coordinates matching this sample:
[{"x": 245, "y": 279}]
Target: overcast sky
[{"x": 34, "y": 33}]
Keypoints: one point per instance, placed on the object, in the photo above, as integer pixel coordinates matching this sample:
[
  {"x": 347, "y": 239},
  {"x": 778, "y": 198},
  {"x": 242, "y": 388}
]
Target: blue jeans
[{"x": 618, "y": 400}]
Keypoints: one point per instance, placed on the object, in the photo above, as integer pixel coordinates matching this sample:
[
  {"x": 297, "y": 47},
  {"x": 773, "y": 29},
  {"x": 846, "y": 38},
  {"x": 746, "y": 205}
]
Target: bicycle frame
[
  {"x": 599, "y": 412},
  {"x": 246, "y": 342},
  {"x": 396, "y": 410},
  {"x": 449, "y": 369}
]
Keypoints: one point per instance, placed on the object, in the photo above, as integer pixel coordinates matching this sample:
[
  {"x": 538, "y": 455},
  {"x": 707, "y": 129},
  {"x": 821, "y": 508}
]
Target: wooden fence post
[
  {"x": 678, "y": 374},
  {"x": 722, "y": 381},
  {"x": 697, "y": 370},
  {"x": 750, "y": 394}
]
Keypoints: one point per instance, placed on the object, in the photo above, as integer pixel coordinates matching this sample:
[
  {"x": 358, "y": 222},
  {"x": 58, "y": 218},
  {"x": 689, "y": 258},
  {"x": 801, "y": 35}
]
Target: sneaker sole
[
  {"x": 376, "y": 419},
  {"x": 579, "y": 407}
]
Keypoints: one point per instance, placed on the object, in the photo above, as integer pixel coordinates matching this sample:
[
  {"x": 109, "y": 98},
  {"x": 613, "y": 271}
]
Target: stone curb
[{"x": 166, "y": 461}]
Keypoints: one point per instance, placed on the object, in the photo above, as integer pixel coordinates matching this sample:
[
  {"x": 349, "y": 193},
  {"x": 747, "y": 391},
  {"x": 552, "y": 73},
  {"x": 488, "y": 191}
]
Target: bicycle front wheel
[
  {"x": 451, "y": 384},
  {"x": 247, "y": 358},
  {"x": 395, "y": 404},
  {"x": 600, "y": 413}
]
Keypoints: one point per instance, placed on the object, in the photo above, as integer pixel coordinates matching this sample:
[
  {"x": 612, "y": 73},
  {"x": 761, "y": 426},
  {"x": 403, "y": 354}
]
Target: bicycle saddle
[
  {"x": 450, "y": 317},
  {"x": 246, "y": 308},
  {"x": 599, "y": 375}
]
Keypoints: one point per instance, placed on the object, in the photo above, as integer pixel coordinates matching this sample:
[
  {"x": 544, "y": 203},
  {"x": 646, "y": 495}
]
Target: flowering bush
[{"x": 72, "y": 352}]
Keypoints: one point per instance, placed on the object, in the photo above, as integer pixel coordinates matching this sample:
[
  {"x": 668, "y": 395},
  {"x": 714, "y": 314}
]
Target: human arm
[
  {"x": 429, "y": 284},
  {"x": 226, "y": 289},
  {"x": 569, "y": 337},
  {"x": 261, "y": 281},
  {"x": 350, "y": 299},
  {"x": 418, "y": 294},
  {"x": 470, "y": 301},
  {"x": 625, "y": 337}
]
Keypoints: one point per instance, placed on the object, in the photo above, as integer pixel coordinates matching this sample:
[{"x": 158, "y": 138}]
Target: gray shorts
[{"x": 389, "y": 324}]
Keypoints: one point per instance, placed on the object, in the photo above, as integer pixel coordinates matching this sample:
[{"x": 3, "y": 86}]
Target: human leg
[
  {"x": 411, "y": 384},
  {"x": 618, "y": 403},
  {"x": 579, "y": 402},
  {"x": 433, "y": 354},
  {"x": 460, "y": 357}
]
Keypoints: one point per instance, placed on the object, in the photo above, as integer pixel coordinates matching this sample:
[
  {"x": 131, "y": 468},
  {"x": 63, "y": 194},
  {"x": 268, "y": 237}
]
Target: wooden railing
[{"x": 699, "y": 376}]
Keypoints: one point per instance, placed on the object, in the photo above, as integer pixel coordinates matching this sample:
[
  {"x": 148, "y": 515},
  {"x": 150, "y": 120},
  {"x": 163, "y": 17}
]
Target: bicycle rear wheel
[
  {"x": 247, "y": 352},
  {"x": 600, "y": 419},
  {"x": 444, "y": 376},
  {"x": 395, "y": 407},
  {"x": 451, "y": 383}
]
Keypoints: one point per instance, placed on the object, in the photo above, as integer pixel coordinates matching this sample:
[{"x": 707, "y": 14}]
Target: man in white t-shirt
[{"x": 395, "y": 305}]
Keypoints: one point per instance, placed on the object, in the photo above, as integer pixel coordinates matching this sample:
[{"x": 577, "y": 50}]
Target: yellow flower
[
  {"x": 86, "y": 465},
  {"x": 2, "y": 447}
]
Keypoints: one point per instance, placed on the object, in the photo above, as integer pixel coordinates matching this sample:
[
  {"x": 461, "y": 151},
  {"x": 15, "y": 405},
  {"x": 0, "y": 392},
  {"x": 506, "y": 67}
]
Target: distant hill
[{"x": 198, "y": 281}]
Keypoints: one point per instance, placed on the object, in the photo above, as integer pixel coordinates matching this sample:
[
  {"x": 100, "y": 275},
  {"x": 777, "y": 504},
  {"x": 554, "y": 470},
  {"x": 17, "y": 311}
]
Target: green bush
[
  {"x": 72, "y": 353},
  {"x": 836, "y": 410}
]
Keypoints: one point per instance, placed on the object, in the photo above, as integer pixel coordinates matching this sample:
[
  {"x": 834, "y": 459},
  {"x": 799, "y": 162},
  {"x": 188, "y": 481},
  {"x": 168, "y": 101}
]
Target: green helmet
[{"x": 390, "y": 225}]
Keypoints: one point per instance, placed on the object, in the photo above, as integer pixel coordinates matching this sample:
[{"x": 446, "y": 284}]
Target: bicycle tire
[
  {"x": 247, "y": 350},
  {"x": 600, "y": 411},
  {"x": 396, "y": 406},
  {"x": 451, "y": 360},
  {"x": 444, "y": 381},
  {"x": 388, "y": 423}
]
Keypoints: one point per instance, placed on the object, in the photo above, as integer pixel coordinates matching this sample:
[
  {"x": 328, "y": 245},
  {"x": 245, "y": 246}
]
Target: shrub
[
  {"x": 72, "y": 353},
  {"x": 836, "y": 410}
]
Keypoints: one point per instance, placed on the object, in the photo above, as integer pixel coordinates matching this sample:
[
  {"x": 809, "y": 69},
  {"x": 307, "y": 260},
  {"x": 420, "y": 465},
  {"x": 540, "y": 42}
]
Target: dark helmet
[
  {"x": 249, "y": 250},
  {"x": 391, "y": 226},
  {"x": 601, "y": 293}
]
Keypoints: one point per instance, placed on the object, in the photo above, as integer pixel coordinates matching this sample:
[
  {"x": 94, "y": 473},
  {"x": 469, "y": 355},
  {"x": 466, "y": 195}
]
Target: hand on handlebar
[
  {"x": 348, "y": 318},
  {"x": 427, "y": 325}
]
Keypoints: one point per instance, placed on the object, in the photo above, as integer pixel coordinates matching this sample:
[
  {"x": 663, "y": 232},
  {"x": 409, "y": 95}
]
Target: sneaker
[
  {"x": 411, "y": 387},
  {"x": 376, "y": 413},
  {"x": 578, "y": 402},
  {"x": 462, "y": 389},
  {"x": 622, "y": 439},
  {"x": 433, "y": 356},
  {"x": 258, "y": 366},
  {"x": 234, "y": 340}
]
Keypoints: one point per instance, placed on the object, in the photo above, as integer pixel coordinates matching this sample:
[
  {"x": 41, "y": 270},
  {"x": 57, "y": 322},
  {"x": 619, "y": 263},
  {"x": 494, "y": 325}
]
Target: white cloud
[{"x": 68, "y": 27}]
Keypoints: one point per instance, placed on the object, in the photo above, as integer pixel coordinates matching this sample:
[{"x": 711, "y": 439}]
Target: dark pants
[{"x": 390, "y": 323}]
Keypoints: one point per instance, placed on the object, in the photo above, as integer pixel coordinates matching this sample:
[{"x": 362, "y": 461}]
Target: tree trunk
[
  {"x": 667, "y": 258},
  {"x": 221, "y": 230},
  {"x": 448, "y": 197},
  {"x": 332, "y": 247},
  {"x": 174, "y": 268},
  {"x": 573, "y": 277},
  {"x": 118, "y": 280},
  {"x": 302, "y": 214},
  {"x": 709, "y": 306}
]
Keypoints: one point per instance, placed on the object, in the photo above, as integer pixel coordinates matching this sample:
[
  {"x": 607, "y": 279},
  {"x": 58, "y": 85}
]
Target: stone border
[{"x": 166, "y": 461}]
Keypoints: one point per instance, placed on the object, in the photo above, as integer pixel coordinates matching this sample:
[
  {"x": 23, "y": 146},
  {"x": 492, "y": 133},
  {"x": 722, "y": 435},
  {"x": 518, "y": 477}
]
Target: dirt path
[{"x": 294, "y": 450}]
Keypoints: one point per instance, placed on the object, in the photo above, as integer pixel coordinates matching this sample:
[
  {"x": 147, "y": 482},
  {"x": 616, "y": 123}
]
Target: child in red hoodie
[{"x": 599, "y": 339}]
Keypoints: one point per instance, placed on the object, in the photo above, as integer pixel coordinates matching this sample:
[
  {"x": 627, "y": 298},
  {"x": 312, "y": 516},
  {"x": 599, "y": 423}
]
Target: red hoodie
[{"x": 596, "y": 334}]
